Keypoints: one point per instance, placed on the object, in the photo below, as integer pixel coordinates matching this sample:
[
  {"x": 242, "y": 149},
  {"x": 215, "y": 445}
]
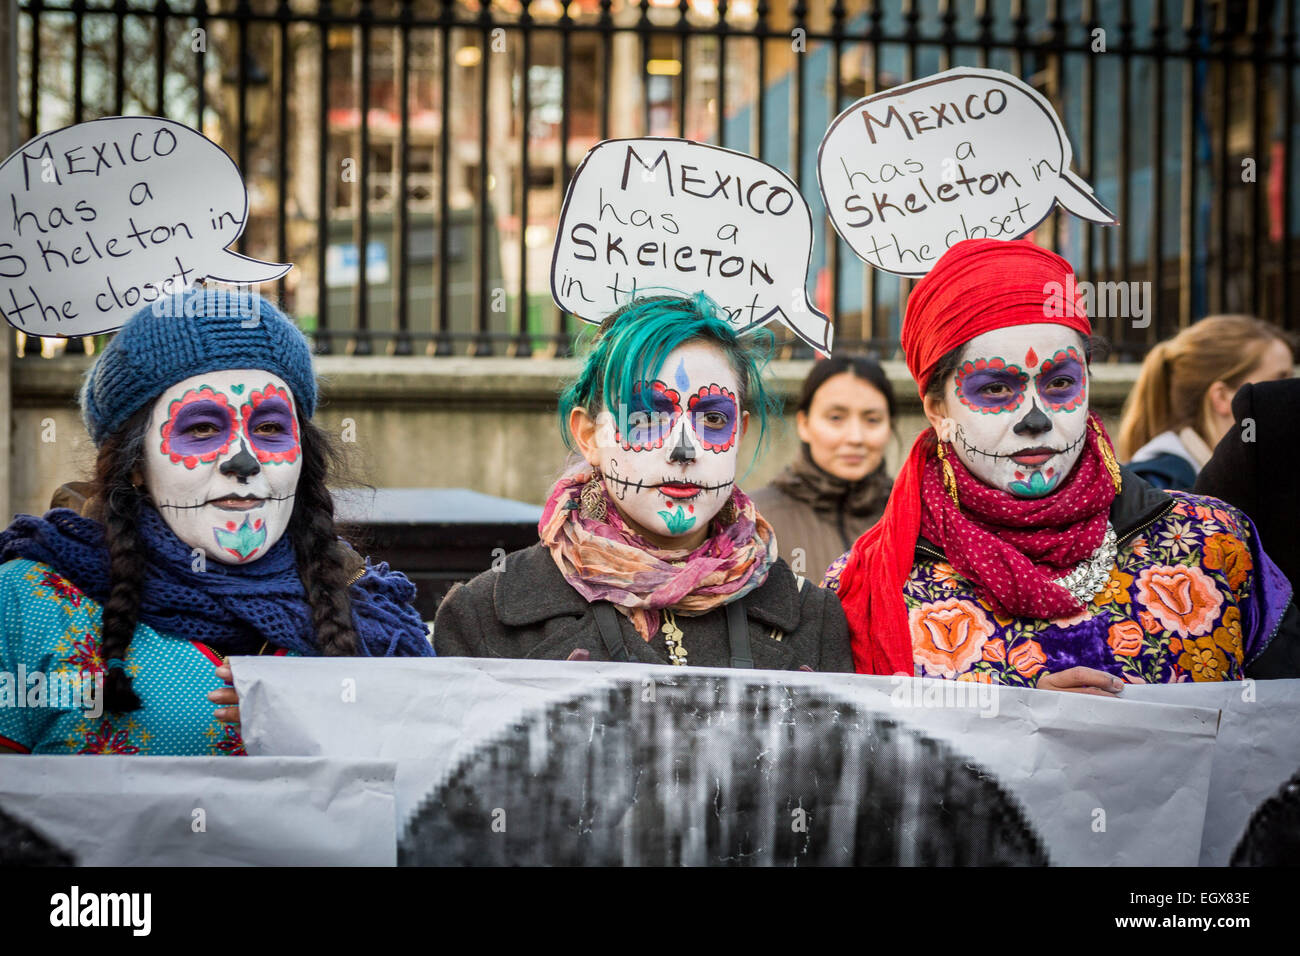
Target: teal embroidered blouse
[{"x": 51, "y": 670}]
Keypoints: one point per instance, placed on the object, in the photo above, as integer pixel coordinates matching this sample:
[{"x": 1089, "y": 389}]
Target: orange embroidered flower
[
  {"x": 1204, "y": 660},
  {"x": 1125, "y": 638},
  {"x": 976, "y": 677},
  {"x": 1027, "y": 658},
  {"x": 1175, "y": 646},
  {"x": 1140, "y": 547},
  {"x": 1183, "y": 599},
  {"x": 995, "y": 651},
  {"x": 1228, "y": 634},
  {"x": 1116, "y": 588},
  {"x": 945, "y": 576},
  {"x": 1203, "y": 512},
  {"x": 1149, "y": 623},
  {"x": 1223, "y": 516},
  {"x": 1229, "y": 554},
  {"x": 948, "y": 636}
]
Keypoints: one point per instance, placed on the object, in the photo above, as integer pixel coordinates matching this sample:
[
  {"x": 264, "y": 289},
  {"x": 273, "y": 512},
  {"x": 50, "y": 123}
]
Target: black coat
[
  {"x": 528, "y": 610},
  {"x": 1259, "y": 475}
]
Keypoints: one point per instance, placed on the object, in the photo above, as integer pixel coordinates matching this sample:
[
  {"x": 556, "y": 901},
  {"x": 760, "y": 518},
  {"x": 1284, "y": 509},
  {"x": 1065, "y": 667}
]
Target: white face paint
[
  {"x": 1019, "y": 400},
  {"x": 222, "y": 460},
  {"x": 674, "y": 467}
]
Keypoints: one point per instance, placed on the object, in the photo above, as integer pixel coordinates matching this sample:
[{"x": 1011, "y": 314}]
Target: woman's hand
[
  {"x": 226, "y": 696},
  {"x": 1082, "y": 680}
]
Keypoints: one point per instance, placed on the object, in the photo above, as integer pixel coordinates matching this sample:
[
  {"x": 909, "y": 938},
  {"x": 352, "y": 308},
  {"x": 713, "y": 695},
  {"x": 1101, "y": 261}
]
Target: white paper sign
[
  {"x": 196, "y": 811},
  {"x": 964, "y": 154},
  {"x": 503, "y": 761},
  {"x": 102, "y": 218},
  {"x": 1257, "y": 751},
  {"x": 674, "y": 216}
]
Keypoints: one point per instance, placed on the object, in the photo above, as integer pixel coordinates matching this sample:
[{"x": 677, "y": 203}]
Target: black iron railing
[{"x": 410, "y": 156}]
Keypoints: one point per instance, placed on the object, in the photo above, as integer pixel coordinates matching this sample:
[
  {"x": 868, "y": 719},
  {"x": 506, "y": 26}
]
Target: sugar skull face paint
[
  {"x": 222, "y": 461},
  {"x": 672, "y": 467},
  {"x": 1019, "y": 399}
]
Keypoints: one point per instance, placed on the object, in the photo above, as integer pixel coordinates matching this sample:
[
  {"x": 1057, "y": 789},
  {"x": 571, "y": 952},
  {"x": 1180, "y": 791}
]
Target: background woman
[
  {"x": 209, "y": 531},
  {"x": 649, "y": 550},
  {"x": 1181, "y": 404},
  {"x": 1014, "y": 549},
  {"x": 837, "y": 487}
]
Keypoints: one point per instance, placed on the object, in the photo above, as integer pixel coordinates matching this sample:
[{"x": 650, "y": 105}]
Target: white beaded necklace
[{"x": 1088, "y": 579}]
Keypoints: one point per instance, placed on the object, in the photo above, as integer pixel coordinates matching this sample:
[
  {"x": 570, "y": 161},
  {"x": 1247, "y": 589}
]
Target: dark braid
[
  {"x": 315, "y": 543},
  {"x": 117, "y": 499}
]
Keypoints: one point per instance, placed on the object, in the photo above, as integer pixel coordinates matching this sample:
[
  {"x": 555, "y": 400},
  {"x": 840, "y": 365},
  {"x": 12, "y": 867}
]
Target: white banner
[
  {"x": 1257, "y": 751},
  {"x": 523, "y": 762},
  {"x": 196, "y": 811}
]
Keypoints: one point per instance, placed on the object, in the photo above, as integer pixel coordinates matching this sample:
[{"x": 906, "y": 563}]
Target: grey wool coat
[{"x": 528, "y": 610}]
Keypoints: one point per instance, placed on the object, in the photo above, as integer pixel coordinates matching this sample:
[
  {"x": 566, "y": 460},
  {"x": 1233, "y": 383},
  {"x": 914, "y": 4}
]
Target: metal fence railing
[{"x": 411, "y": 156}]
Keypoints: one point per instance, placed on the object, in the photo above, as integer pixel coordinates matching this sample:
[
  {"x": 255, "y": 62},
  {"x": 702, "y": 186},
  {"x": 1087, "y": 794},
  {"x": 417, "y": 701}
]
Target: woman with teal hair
[{"x": 649, "y": 550}]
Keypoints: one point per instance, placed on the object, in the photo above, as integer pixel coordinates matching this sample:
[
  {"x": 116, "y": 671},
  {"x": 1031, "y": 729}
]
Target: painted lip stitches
[
  {"x": 1035, "y": 451},
  {"x": 673, "y": 488},
  {"x": 215, "y": 502}
]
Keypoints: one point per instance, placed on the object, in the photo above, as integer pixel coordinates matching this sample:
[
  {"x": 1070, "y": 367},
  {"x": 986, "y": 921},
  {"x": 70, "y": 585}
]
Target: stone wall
[{"x": 488, "y": 424}]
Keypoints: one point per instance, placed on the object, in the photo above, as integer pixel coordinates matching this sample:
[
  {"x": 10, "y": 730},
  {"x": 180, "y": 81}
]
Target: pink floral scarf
[{"x": 607, "y": 561}]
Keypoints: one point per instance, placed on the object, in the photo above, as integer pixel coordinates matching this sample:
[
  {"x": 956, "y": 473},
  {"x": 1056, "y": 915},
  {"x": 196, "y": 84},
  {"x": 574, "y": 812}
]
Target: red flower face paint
[
  {"x": 652, "y": 419},
  {"x": 270, "y": 425},
  {"x": 990, "y": 385},
  {"x": 716, "y": 417},
  {"x": 199, "y": 427}
]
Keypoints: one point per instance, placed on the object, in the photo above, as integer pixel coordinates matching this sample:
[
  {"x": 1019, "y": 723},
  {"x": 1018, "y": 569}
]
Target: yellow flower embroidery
[{"x": 1116, "y": 589}]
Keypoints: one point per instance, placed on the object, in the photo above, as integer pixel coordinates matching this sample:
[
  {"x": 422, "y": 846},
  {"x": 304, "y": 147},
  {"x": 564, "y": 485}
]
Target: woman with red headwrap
[{"x": 1014, "y": 548}]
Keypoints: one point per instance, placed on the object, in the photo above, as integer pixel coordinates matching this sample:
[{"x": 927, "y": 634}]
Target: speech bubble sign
[
  {"x": 100, "y": 219},
  {"x": 658, "y": 213},
  {"x": 964, "y": 154}
]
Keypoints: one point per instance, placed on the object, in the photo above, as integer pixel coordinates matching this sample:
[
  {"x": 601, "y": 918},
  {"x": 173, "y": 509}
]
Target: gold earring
[
  {"x": 949, "y": 479},
  {"x": 592, "y": 498},
  {"x": 1107, "y": 454}
]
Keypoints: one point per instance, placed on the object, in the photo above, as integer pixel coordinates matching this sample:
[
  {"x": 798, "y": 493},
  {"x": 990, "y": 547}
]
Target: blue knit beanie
[{"x": 204, "y": 329}]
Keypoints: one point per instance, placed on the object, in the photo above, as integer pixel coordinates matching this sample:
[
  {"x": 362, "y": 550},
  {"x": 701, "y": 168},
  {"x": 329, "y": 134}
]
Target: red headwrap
[{"x": 977, "y": 286}]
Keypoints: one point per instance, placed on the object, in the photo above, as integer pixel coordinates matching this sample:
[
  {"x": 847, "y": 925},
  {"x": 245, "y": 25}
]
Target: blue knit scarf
[{"x": 233, "y": 608}]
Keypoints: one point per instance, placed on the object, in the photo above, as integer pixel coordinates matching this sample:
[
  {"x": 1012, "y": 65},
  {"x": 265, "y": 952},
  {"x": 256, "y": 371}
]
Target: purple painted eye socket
[
  {"x": 1063, "y": 381},
  {"x": 271, "y": 426},
  {"x": 715, "y": 415},
  {"x": 655, "y": 411},
  {"x": 714, "y": 419},
  {"x": 990, "y": 386},
  {"x": 201, "y": 427},
  {"x": 649, "y": 428}
]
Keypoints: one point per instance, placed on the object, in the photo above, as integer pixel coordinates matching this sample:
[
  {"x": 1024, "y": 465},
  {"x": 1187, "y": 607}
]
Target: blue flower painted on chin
[
  {"x": 244, "y": 540},
  {"x": 1035, "y": 485}
]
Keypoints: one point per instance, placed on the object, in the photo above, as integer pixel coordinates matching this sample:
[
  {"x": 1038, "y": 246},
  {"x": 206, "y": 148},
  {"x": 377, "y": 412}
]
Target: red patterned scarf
[{"x": 1012, "y": 548}]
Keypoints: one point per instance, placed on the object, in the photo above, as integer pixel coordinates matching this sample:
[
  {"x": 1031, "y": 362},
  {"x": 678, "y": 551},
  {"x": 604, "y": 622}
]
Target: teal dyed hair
[{"x": 634, "y": 342}]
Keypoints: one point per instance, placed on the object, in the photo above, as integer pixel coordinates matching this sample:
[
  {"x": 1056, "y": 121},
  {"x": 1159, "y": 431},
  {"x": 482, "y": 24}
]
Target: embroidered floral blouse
[
  {"x": 1186, "y": 601},
  {"x": 51, "y": 629}
]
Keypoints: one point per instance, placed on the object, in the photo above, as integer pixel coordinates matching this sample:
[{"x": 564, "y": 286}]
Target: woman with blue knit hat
[{"x": 208, "y": 531}]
